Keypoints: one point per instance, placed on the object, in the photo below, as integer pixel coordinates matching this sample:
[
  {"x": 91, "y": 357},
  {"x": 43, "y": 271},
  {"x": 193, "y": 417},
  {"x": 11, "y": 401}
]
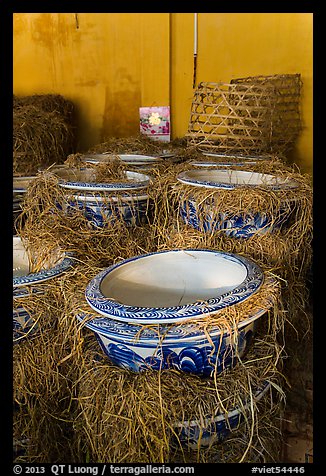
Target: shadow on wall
[{"x": 121, "y": 113}]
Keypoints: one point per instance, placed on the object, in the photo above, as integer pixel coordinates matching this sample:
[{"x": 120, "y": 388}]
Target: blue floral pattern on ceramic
[
  {"x": 195, "y": 355},
  {"x": 237, "y": 226},
  {"x": 135, "y": 181},
  {"x": 103, "y": 214},
  {"x": 194, "y": 436},
  {"x": 23, "y": 325},
  {"x": 115, "y": 310},
  {"x": 45, "y": 274}
]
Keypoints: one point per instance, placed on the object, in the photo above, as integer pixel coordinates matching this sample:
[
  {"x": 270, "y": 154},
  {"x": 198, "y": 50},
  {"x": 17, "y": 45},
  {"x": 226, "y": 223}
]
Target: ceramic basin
[
  {"x": 103, "y": 211},
  {"x": 57, "y": 263},
  {"x": 215, "y": 429},
  {"x": 84, "y": 178},
  {"x": 172, "y": 286},
  {"x": 27, "y": 283},
  {"x": 167, "y": 289},
  {"x": 204, "y": 216}
]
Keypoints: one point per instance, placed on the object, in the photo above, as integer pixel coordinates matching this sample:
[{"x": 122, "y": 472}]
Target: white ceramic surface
[
  {"x": 57, "y": 263},
  {"x": 129, "y": 159},
  {"x": 226, "y": 156},
  {"x": 20, "y": 184},
  {"x": 171, "y": 286},
  {"x": 208, "y": 164}
]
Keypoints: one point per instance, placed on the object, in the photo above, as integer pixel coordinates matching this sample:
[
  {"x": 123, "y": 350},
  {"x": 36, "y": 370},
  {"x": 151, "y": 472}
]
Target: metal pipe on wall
[{"x": 195, "y": 48}]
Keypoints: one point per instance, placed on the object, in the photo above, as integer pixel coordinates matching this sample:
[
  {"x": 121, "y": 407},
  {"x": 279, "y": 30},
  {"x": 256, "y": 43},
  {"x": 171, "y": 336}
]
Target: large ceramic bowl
[
  {"x": 27, "y": 283},
  {"x": 128, "y": 159},
  {"x": 56, "y": 264},
  {"x": 203, "y": 216},
  {"x": 104, "y": 203},
  {"x": 102, "y": 211},
  {"x": 165, "y": 289},
  {"x": 20, "y": 184},
  {"x": 84, "y": 179},
  {"x": 215, "y": 429},
  {"x": 173, "y": 286}
]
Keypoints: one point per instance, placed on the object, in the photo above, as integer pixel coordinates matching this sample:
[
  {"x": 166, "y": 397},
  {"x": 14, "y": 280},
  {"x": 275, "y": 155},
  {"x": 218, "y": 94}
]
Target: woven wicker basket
[
  {"x": 253, "y": 115},
  {"x": 232, "y": 117},
  {"x": 286, "y": 125}
]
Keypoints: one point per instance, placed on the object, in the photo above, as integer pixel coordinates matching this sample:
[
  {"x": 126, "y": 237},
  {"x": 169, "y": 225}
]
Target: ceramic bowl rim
[
  {"x": 93, "y": 158},
  {"x": 105, "y": 186},
  {"x": 207, "y": 163},
  {"x": 259, "y": 393},
  {"x": 120, "y": 198},
  {"x": 43, "y": 275},
  {"x": 17, "y": 189},
  {"x": 162, "y": 339},
  {"x": 154, "y": 315},
  {"x": 182, "y": 177},
  {"x": 235, "y": 155}
]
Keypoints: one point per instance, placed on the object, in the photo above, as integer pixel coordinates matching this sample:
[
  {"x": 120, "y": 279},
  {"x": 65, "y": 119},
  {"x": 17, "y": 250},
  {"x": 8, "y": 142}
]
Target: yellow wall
[
  {"x": 109, "y": 66},
  {"x": 116, "y": 62},
  {"x": 233, "y": 45}
]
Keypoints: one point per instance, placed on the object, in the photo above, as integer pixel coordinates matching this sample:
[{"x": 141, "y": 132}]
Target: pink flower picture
[{"x": 155, "y": 122}]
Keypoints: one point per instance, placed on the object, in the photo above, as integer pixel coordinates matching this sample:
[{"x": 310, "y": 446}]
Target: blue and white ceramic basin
[
  {"x": 27, "y": 283},
  {"x": 204, "y": 216},
  {"x": 137, "y": 160},
  {"x": 104, "y": 203},
  {"x": 166, "y": 290},
  {"x": 195, "y": 435},
  {"x": 20, "y": 184},
  {"x": 84, "y": 179},
  {"x": 57, "y": 263},
  {"x": 102, "y": 211}
]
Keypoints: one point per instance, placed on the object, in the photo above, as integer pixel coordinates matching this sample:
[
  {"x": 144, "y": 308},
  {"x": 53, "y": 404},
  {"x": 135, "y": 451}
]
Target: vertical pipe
[{"x": 195, "y": 48}]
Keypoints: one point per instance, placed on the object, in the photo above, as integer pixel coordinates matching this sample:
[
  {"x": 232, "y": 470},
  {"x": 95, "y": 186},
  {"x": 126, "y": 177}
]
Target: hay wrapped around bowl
[
  {"x": 137, "y": 418},
  {"x": 191, "y": 310}
]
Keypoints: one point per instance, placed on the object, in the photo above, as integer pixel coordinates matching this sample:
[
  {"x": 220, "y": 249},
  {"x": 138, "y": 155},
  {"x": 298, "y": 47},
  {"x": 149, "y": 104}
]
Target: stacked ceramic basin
[
  {"x": 166, "y": 291},
  {"x": 103, "y": 203},
  {"x": 242, "y": 225},
  {"x": 142, "y": 163},
  {"x": 27, "y": 283},
  {"x": 20, "y": 185},
  {"x": 216, "y": 160}
]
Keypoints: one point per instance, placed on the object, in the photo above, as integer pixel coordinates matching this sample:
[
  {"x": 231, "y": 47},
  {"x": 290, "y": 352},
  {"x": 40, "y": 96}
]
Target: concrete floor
[{"x": 298, "y": 418}]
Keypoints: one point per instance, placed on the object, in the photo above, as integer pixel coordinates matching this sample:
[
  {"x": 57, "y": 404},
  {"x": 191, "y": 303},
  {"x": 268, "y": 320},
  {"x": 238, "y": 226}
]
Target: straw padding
[{"x": 43, "y": 132}]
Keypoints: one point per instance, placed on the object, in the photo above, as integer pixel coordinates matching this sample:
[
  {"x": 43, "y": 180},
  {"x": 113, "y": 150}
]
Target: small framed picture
[{"x": 155, "y": 122}]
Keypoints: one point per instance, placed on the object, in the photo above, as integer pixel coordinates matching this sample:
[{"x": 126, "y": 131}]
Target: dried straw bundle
[
  {"x": 47, "y": 103},
  {"x": 42, "y": 381},
  {"x": 126, "y": 417},
  {"x": 138, "y": 144},
  {"x": 41, "y": 135},
  {"x": 72, "y": 404}
]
